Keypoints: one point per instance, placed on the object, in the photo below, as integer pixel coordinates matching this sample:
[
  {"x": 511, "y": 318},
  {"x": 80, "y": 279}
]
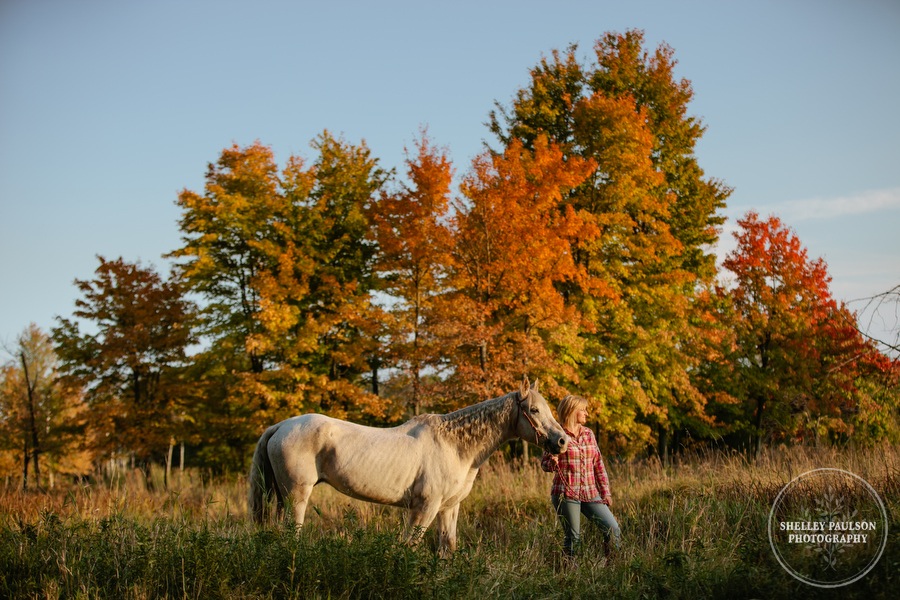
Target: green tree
[
  {"x": 223, "y": 232},
  {"x": 284, "y": 263},
  {"x": 244, "y": 255},
  {"x": 650, "y": 217},
  {"x": 348, "y": 180},
  {"x": 129, "y": 357}
]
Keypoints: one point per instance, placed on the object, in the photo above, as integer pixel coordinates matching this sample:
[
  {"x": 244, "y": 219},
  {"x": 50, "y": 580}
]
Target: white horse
[{"x": 427, "y": 465}]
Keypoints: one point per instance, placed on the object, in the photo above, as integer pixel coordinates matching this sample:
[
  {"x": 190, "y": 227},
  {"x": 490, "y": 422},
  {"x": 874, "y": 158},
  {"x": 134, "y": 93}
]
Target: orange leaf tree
[
  {"x": 801, "y": 367},
  {"x": 505, "y": 315},
  {"x": 414, "y": 240}
]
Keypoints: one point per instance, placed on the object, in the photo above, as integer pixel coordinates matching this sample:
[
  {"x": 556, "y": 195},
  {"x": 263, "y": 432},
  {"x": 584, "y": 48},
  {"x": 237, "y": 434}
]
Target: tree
[
  {"x": 411, "y": 230},
  {"x": 505, "y": 315},
  {"x": 643, "y": 328},
  {"x": 284, "y": 263},
  {"x": 315, "y": 316},
  {"x": 649, "y": 216},
  {"x": 130, "y": 357},
  {"x": 625, "y": 71},
  {"x": 38, "y": 414},
  {"x": 244, "y": 254},
  {"x": 879, "y": 308},
  {"x": 346, "y": 324},
  {"x": 223, "y": 232},
  {"x": 879, "y": 407},
  {"x": 800, "y": 361}
]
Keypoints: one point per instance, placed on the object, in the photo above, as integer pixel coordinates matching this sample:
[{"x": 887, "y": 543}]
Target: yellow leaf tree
[{"x": 42, "y": 420}]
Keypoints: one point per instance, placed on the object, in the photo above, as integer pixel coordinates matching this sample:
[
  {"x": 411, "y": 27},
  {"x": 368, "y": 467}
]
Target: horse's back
[
  {"x": 370, "y": 463},
  {"x": 315, "y": 432}
]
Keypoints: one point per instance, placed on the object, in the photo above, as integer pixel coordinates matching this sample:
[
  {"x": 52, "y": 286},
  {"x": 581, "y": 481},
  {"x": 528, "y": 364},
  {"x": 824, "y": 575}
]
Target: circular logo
[{"x": 828, "y": 528}]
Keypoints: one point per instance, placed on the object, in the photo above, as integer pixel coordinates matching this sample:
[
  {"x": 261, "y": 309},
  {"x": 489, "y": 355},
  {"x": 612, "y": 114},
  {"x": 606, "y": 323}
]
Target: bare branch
[{"x": 879, "y": 308}]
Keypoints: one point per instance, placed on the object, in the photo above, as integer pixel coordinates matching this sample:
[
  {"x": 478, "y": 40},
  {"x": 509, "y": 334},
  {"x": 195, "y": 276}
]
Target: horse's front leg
[
  {"x": 446, "y": 530},
  {"x": 419, "y": 518}
]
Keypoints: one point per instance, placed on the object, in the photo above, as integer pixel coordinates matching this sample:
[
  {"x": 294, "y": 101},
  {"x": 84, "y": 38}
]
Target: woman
[{"x": 580, "y": 485}]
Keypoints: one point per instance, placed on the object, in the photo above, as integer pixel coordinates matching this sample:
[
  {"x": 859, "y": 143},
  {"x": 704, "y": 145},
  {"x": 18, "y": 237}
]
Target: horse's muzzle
[{"x": 556, "y": 444}]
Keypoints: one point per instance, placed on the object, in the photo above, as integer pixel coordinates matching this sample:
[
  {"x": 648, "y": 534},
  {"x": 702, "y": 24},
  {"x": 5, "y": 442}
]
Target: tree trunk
[
  {"x": 25, "y": 459},
  {"x": 757, "y": 443},
  {"x": 32, "y": 421},
  {"x": 169, "y": 463},
  {"x": 662, "y": 447},
  {"x": 375, "y": 389}
]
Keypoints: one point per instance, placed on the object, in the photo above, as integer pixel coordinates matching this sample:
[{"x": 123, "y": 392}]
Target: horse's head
[{"x": 535, "y": 422}]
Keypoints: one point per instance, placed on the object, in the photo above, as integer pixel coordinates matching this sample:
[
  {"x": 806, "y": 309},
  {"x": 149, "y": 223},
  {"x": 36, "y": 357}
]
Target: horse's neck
[{"x": 479, "y": 430}]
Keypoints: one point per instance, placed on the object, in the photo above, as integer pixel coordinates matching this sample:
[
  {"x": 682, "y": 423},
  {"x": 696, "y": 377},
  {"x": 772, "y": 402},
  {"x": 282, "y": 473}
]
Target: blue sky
[{"x": 109, "y": 108}]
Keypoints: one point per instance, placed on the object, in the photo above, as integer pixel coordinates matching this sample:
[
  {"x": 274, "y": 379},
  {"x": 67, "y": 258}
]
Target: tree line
[{"x": 577, "y": 248}]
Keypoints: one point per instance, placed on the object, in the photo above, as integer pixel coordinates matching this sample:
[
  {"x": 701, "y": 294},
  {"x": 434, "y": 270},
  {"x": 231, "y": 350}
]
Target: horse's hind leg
[
  {"x": 299, "y": 499},
  {"x": 297, "y": 485}
]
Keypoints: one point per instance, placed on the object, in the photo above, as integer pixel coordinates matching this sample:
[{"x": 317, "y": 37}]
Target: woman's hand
[{"x": 550, "y": 462}]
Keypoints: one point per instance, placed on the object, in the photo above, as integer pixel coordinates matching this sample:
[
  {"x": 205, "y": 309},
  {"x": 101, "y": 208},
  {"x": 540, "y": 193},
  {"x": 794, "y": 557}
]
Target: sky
[{"x": 108, "y": 109}]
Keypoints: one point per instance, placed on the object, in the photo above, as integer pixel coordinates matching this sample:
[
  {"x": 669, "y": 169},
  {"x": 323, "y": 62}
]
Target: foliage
[
  {"x": 580, "y": 251},
  {"x": 506, "y": 316},
  {"x": 284, "y": 264},
  {"x": 42, "y": 419},
  {"x": 414, "y": 243},
  {"x": 649, "y": 217},
  {"x": 129, "y": 360},
  {"x": 800, "y": 365}
]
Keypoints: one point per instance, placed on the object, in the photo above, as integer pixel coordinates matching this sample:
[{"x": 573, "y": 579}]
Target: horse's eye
[{"x": 535, "y": 410}]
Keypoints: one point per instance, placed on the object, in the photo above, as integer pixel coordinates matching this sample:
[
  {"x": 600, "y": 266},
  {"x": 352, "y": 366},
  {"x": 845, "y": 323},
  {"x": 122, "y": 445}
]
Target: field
[{"x": 697, "y": 529}]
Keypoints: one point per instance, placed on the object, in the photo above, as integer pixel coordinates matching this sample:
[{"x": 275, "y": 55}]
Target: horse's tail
[{"x": 262, "y": 479}]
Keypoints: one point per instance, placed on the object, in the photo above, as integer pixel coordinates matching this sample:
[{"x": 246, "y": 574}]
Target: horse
[{"x": 426, "y": 465}]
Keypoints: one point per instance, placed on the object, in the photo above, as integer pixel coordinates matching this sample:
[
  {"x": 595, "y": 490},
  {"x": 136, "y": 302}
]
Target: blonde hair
[{"x": 567, "y": 408}]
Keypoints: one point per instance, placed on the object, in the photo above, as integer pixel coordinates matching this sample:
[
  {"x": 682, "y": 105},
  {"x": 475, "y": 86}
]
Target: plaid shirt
[{"x": 580, "y": 469}]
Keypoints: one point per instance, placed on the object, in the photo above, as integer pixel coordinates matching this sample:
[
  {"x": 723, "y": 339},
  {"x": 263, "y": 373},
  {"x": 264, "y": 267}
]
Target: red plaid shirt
[{"x": 579, "y": 470}]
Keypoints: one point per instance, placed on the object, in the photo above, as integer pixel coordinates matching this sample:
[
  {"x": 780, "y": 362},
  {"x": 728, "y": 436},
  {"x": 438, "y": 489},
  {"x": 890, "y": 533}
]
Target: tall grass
[{"x": 697, "y": 529}]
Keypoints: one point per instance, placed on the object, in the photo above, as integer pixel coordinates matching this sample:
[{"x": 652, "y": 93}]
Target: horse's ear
[
  {"x": 534, "y": 387},
  {"x": 524, "y": 389}
]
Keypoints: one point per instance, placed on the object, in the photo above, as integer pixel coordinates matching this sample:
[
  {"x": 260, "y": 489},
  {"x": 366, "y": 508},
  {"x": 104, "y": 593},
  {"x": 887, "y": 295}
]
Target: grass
[{"x": 697, "y": 530}]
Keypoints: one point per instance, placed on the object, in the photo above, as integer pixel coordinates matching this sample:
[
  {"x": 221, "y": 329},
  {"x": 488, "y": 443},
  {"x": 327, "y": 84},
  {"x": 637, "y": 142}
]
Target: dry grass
[
  {"x": 505, "y": 486},
  {"x": 693, "y": 529}
]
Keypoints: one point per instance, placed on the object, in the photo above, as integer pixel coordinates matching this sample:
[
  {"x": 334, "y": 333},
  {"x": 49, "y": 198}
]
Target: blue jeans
[{"x": 570, "y": 511}]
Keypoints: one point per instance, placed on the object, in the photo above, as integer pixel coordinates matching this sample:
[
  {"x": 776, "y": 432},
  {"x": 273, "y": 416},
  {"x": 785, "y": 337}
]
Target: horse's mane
[{"x": 472, "y": 424}]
